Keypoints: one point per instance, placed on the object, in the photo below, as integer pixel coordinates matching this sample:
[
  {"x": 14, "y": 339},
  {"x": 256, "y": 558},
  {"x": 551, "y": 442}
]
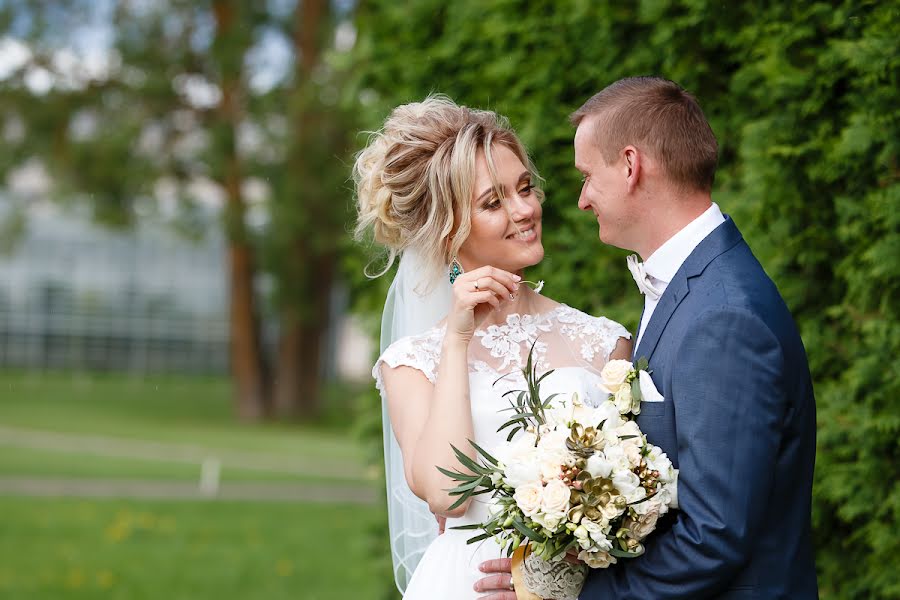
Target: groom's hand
[{"x": 497, "y": 581}]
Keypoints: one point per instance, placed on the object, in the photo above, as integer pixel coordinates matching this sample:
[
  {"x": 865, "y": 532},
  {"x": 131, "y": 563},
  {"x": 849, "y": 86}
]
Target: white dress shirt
[{"x": 668, "y": 258}]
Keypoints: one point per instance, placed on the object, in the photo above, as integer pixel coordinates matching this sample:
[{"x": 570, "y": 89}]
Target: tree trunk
[
  {"x": 304, "y": 327},
  {"x": 245, "y": 352},
  {"x": 303, "y": 342}
]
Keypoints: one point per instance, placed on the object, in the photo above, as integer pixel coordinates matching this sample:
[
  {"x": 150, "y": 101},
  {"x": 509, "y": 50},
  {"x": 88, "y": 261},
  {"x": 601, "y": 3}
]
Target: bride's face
[{"x": 506, "y": 231}]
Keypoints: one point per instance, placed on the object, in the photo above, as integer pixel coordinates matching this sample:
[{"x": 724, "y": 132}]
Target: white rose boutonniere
[{"x": 614, "y": 374}]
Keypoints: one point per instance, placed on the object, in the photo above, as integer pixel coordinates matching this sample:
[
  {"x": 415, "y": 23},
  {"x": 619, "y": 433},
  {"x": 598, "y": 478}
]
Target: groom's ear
[{"x": 631, "y": 159}]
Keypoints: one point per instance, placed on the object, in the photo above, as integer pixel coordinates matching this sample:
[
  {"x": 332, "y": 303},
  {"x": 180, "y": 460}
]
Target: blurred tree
[
  {"x": 189, "y": 105},
  {"x": 310, "y": 210},
  {"x": 803, "y": 100},
  {"x": 232, "y": 40}
]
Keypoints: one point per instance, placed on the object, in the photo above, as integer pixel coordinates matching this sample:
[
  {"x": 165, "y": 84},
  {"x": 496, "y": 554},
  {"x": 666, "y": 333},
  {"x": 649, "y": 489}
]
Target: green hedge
[{"x": 803, "y": 98}]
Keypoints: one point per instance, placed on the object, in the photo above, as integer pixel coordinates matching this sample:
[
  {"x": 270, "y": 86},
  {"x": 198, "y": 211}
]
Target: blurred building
[{"x": 76, "y": 295}]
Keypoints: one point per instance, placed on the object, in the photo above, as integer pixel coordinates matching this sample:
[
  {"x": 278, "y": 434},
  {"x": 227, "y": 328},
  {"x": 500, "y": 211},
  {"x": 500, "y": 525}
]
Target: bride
[{"x": 441, "y": 185}]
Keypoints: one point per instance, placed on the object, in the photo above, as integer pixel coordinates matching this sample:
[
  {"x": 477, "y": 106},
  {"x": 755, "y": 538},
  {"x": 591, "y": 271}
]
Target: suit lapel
[
  {"x": 722, "y": 238},
  {"x": 668, "y": 302}
]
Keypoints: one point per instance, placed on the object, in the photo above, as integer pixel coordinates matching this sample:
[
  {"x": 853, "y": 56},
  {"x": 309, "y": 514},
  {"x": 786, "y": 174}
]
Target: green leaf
[
  {"x": 636, "y": 390},
  {"x": 484, "y": 453},
  {"x": 524, "y": 530}
]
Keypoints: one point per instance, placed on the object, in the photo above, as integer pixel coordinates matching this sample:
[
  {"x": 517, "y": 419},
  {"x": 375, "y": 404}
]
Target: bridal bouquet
[{"x": 570, "y": 477}]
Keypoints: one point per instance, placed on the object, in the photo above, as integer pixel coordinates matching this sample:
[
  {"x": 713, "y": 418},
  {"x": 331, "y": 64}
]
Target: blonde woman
[{"x": 451, "y": 191}]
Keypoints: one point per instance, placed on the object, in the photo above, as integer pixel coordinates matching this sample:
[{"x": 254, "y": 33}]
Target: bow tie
[{"x": 642, "y": 279}]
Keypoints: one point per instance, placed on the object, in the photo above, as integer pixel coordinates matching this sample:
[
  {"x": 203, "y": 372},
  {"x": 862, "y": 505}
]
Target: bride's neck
[{"x": 526, "y": 302}]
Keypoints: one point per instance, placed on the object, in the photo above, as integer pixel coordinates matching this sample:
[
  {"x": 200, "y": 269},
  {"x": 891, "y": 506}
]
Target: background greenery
[
  {"x": 71, "y": 547},
  {"x": 803, "y": 99}
]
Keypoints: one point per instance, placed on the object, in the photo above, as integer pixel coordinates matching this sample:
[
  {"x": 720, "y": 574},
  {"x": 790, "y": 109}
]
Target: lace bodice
[
  {"x": 575, "y": 345},
  {"x": 562, "y": 337}
]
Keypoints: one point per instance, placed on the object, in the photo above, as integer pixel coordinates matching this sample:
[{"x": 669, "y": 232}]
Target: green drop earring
[{"x": 455, "y": 269}]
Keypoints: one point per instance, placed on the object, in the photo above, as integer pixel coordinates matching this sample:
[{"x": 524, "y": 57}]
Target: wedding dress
[{"x": 575, "y": 345}]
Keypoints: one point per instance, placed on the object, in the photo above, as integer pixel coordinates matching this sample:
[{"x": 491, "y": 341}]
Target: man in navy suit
[{"x": 738, "y": 413}]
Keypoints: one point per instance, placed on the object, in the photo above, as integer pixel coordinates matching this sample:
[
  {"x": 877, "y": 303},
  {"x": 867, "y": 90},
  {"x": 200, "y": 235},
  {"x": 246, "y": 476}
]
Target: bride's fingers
[
  {"x": 490, "y": 284},
  {"x": 485, "y": 297},
  {"x": 509, "y": 280}
]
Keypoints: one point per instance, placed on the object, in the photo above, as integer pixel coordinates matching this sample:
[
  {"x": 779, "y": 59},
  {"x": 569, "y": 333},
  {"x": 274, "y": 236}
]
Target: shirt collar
[{"x": 668, "y": 258}]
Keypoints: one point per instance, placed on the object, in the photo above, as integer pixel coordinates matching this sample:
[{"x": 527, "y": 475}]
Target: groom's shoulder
[{"x": 737, "y": 280}]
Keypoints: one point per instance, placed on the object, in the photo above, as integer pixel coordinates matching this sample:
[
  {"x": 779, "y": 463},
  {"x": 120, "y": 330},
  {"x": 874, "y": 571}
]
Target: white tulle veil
[{"x": 411, "y": 307}]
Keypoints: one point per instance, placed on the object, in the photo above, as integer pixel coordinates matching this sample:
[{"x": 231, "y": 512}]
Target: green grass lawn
[
  {"x": 75, "y": 548},
  {"x": 22, "y": 462},
  {"x": 79, "y": 549},
  {"x": 184, "y": 410}
]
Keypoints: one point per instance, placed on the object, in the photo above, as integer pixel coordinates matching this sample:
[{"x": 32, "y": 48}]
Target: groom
[{"x": 738, "y": 415}]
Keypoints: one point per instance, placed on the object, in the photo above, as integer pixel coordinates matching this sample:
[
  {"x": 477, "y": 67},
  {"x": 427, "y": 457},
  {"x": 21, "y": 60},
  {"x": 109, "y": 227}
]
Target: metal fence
[{"x": 77, "y": 296}]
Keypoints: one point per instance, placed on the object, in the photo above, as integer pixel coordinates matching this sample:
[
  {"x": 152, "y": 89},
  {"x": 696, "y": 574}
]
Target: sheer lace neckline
[
  {"x": 561, "y": 337},
  {"x": 514, "y": 318}
]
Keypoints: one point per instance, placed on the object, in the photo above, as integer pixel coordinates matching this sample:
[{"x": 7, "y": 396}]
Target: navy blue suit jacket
[{"x": 738, "y": 420}]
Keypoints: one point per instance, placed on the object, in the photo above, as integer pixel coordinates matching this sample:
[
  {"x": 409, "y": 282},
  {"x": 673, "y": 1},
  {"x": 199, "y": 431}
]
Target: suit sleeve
[{"x": 728, "y": 394}]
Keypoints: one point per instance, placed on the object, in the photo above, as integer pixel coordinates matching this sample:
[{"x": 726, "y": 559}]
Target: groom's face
[{"x": 604, "y": 189}]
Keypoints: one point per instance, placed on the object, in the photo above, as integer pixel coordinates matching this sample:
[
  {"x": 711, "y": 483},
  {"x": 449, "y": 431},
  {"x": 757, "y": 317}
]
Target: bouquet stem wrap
[{"x": 537, "y": 579}]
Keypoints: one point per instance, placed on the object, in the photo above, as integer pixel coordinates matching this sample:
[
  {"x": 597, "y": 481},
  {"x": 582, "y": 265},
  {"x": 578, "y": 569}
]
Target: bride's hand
[{"x": 475, "y": 294}]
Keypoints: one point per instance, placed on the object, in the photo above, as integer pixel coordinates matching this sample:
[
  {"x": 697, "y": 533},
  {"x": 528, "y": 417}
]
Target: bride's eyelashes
[{"x": 494, "y": 203}]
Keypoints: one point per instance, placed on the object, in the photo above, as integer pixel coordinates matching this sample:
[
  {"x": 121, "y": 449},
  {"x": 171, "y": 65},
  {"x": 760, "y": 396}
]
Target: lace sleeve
[
  {"x": 421, "y": 352},
  {"x": 594, "y": 338}
]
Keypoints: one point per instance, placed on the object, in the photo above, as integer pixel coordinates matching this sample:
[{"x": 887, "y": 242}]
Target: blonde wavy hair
[{"x": 414, "y": 179}]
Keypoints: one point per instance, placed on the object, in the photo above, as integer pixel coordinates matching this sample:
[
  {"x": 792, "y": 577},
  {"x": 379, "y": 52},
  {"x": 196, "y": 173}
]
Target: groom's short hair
[{"x": 657, "y": 116}]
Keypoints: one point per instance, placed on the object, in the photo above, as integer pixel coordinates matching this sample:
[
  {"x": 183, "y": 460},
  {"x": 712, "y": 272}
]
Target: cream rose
[
  {"x": 597, "y": 560},
  {"x": 623, "y": 399},
  {"x": 528, "y": 497},
  {"x": 645, "y": 524},
  {"x": 555, "y": 500},
  {"x": 614, "y": 374}
]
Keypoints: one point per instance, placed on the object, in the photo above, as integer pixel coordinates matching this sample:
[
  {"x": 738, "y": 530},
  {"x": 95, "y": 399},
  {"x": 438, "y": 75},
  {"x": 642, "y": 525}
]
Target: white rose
[
  {"x": 597, "y": 560},
  {"x": 626, "y": 482},
  {"x": 629, "y": 428},
  {"x": 658, "y": 461},
  {"x": 528, "y": 498},
  {"x": 637, "y": 495},
  {"x": 554, "y": 439},
  {"x": 623, "y": 399},
  {"x": 549, "y": 522},
  {"x": 522, "y": 473},
  {"x": 614, "y": 374},
  {"x": 556, "y": 496},
  {"x": 633, "y": 453},
  {"x": 616, "y": 456},
  {"x": 551, "y": 462},
  {"x": 606, "y": 413},
  {"x": 598, "y": 466},
  {"x": 515, "y": 450}
]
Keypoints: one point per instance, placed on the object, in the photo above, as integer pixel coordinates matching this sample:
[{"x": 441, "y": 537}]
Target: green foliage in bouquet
[{"x": 528, "y": 408}]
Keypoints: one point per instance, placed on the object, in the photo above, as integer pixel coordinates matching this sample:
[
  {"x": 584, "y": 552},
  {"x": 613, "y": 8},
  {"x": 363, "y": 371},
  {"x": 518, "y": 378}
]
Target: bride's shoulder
[{"x": 420, "y": 351}]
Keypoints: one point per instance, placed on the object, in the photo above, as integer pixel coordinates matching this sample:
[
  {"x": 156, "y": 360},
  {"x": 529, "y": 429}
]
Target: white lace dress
[{"x": 574, "y": 344}]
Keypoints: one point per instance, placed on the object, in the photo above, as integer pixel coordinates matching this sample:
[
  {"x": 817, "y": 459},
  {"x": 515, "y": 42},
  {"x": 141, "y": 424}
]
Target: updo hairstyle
[{"x": 415, "y": 176}]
